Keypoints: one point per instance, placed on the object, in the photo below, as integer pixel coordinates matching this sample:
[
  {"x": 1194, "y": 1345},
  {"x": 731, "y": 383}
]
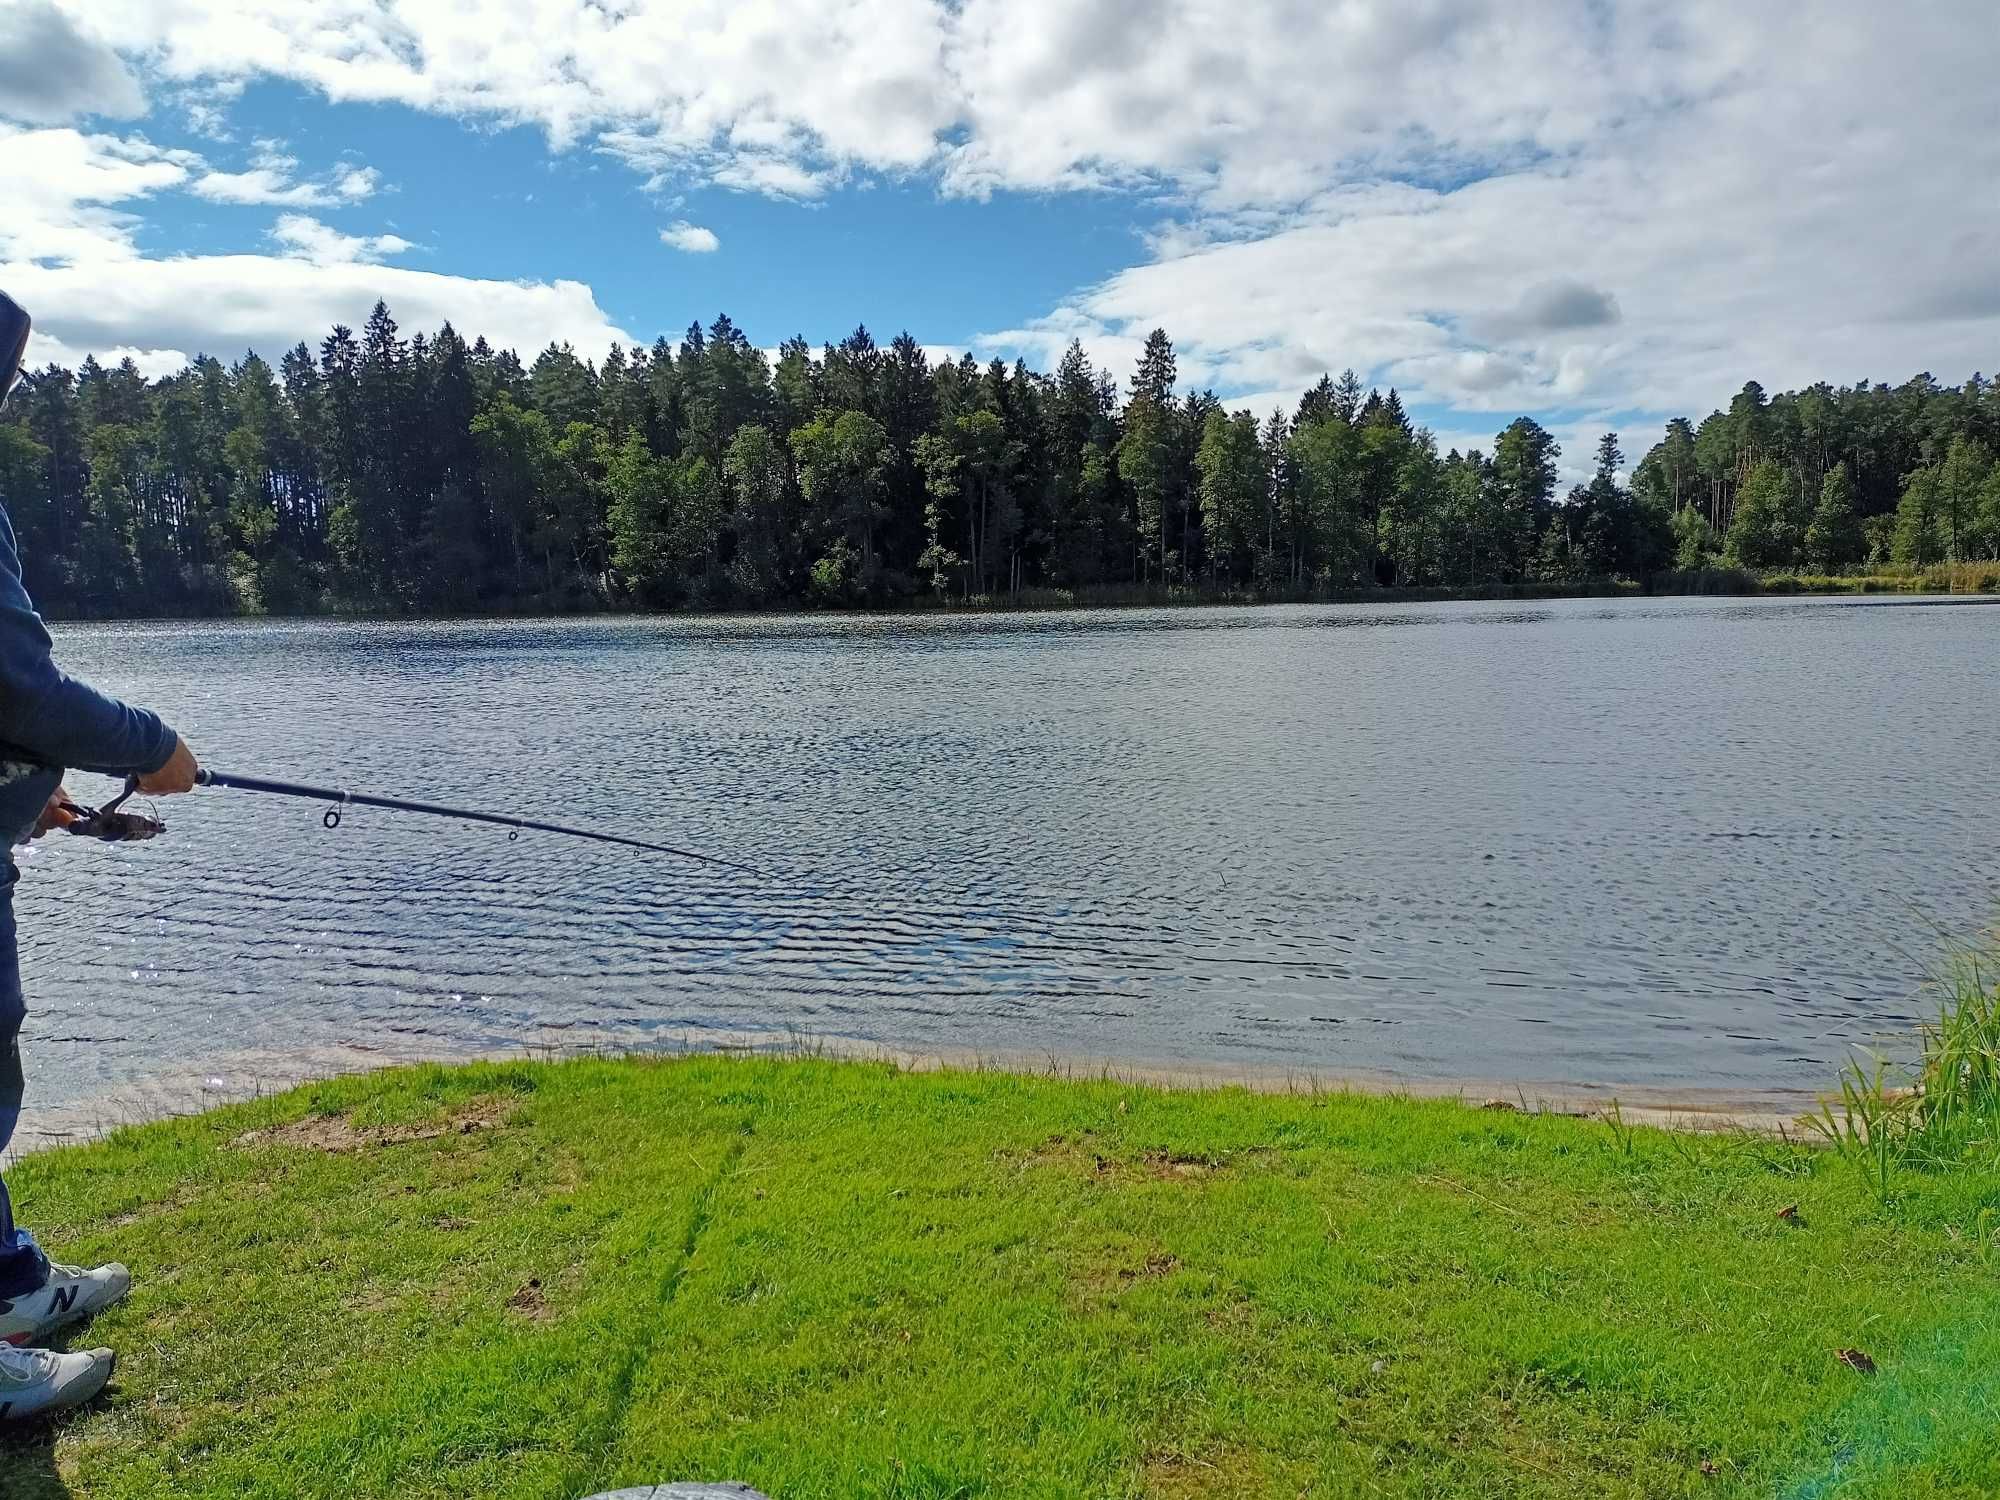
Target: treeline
[
  {"x": 1832, "y": 478},
  {"x": 433, "y": 475}
]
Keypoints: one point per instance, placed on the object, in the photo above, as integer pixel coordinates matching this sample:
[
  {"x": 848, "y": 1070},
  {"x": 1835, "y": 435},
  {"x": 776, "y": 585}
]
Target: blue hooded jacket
[{"x": 49, "y": 721}]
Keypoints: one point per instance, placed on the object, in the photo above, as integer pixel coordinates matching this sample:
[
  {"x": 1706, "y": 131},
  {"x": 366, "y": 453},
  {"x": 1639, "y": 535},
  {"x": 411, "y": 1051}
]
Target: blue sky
[
  {"x": 1598, "y": 212},
  {"x": 487, "y": 201}
]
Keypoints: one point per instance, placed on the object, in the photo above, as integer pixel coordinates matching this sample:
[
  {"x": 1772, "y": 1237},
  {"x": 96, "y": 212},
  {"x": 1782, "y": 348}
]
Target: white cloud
[
  {"x": 352, "y": 184},
  {"x": 58, "y": 186},
  {"x": 265, "y": 185},
  {"x": 773, "y": 97},
  {"x": 1785, "y": 224},
  {"x": 154, "y": 364},
  {"x": 774, "y": 176},
  {"x": 308, "y": 239},
  {"x": 690, "y": 238},
  {"x": 68, "y": 252},
  {"x": 270, "y": 180},
  {"x": 224, "y": 304},
  {"x": 1575, "y": 207},
  {"x": 209, "y": 118},
  {"x": 54, "y": 68}
]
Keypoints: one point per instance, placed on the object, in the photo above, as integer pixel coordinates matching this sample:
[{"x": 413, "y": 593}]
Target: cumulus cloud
[
  {"x": 59, "y": 187},
  {"x": 1580, "y": 207},
  {"x": 352, "y": 184},
  {"x": 258, "y": 185},
  {"x": 308, "y": 239},
  {"x": 155, "y": 364},
  {"x": 271, "y": 179},
  {"x": 771, "y": 96},
  {"x": 1776, "y": 224},
  {"x": 224, "y": 304},
  {"x": 68, "y": 253},
  {"x": 690, "y": 238},
  {"x": 1556, "y": 306},
  {"x": 54, "y": 69}
]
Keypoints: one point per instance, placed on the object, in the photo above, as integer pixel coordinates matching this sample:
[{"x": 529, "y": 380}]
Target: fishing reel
[{"x": 109, "y": 823}]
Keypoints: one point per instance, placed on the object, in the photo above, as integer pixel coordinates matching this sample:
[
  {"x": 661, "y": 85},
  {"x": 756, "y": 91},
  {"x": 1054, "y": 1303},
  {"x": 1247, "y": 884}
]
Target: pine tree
[
  {"x": 1347, "y": 397},
  {"x": 1524, "y": 479},
  {"x": 1149, "y": 464},
  {"x": 840, "y": 459},
  {"x": 1986, "y": 526},
  {"x": 1156, "y": 376},
  {"x": 1232, "y": 492},
  {"x": 1759, "y": 534},
  {"x": 430, "y": 474},
  {"x": 1920, "y": 538},
  {"x": 1833, "y": 537},
  {"x": 764, "y": 517},
  {"x": 1961, "y": 479}
]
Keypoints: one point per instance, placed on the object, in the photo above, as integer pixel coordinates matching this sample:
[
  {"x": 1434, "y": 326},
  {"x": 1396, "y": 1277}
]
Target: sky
[{"x": 1596, "y": 212}]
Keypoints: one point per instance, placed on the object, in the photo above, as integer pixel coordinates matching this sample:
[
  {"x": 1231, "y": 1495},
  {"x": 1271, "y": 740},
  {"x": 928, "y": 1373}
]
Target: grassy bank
[
  {"x": 1942, "y": 578},
  {"x": 835, "y": 1279}
]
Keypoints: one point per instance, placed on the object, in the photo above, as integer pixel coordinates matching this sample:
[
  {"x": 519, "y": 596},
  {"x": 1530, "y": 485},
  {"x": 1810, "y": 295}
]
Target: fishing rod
[{"x": 109, "y": 823}]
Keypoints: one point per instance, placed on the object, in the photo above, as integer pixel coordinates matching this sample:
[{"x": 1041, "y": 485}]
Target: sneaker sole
[
  {"x": 81, "y": 1394},
  {"x": 78, "y": 1395},
  {"x": 84, "y": 1391}
]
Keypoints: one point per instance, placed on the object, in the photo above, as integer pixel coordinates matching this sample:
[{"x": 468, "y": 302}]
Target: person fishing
[{"x": 48, "y": 722}]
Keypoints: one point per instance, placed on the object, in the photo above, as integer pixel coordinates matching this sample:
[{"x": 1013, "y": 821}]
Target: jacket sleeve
[{"x": 50, "y": 714}]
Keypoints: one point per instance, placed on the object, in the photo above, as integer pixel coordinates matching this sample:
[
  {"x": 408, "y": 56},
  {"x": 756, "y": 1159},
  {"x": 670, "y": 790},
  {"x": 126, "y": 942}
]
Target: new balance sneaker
[
  {"x": 39, "y": 1382},
  {"x": 70, "y": 1295}
]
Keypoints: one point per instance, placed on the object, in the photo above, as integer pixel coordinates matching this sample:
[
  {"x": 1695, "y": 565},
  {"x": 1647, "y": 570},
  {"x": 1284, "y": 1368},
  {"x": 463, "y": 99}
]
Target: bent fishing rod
[{"x": 110, "y": 823}]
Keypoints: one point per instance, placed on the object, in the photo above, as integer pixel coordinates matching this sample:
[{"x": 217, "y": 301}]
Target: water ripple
[{"x": 1632, "y": 843}]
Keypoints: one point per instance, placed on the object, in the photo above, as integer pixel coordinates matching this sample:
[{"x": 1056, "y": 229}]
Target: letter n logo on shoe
[{"x": 64, "y": 1298}]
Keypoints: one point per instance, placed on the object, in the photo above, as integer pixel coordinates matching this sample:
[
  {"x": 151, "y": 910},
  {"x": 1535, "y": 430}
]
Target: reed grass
[{"x": 1943, "y": 1112}]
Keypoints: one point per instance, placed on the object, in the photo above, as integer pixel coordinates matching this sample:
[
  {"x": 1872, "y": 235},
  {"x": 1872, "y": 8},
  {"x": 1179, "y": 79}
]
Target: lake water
[{"x": 1669, "y": 843}]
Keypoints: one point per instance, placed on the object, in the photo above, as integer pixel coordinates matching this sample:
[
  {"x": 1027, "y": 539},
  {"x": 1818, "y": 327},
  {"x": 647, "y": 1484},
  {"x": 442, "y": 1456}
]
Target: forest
[{"x": 430, "y": 475}]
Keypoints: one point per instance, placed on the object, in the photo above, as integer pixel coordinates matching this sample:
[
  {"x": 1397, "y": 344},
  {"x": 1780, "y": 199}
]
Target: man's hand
[
  {"x": 57, "y": 814},
  {"x": 177, "y": 775}
]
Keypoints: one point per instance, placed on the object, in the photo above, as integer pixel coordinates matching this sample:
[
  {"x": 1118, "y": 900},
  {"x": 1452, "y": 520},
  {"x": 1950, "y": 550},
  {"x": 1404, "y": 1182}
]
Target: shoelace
[{"x": 22, "y": 1367}]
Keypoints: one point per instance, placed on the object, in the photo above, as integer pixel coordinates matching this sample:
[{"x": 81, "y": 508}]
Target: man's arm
[{"x": 49, "y": 713}]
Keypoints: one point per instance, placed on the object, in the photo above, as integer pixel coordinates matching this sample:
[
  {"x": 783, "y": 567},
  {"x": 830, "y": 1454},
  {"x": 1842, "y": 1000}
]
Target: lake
[{"x": 1673, "y": 844}]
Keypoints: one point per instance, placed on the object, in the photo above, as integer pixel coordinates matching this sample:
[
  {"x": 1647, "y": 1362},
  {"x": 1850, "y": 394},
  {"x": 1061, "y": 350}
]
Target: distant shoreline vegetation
[
  {"x": 429, "y": 476},
  {"x": 1975, "y": 579}
]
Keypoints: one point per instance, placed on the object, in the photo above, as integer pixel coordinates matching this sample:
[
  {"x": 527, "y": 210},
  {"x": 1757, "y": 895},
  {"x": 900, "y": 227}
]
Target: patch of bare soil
[
  {"x": 336, "y": 1134},
  {"x": 1108, "y": 1279},
  {"x": 1219, "y": 1475},
  {"x": 530, "y": 1303},
  {"x": 1084, "y": 1153}
]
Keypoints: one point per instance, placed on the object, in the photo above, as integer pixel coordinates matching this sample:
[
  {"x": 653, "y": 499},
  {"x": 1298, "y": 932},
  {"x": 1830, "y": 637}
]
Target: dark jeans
[{"x": 23, "y": 1267}]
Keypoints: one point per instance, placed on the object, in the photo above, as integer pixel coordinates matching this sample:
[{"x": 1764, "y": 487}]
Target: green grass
[
  {"x": 1942, "y": 1115},
  {"x": 1940, "y": 578},
  {"x": 836, "y": 1279}
]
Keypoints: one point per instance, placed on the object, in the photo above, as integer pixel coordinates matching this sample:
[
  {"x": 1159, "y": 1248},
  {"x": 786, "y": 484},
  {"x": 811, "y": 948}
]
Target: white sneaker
[
  {"x": 37, "y": 1382},
  {"x": 70, "y": 1295}
]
